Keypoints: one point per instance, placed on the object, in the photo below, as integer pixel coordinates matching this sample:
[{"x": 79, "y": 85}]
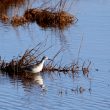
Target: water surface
[{"x": 62, "y": 90}]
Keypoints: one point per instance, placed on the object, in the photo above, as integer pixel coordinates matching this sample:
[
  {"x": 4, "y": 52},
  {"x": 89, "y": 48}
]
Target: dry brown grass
[
  {"x": 18, "y": 20},
  {"x": 49, "y": 17},
  {"x": 46, "y": 18},
  {"x": 5, "y": 18}
]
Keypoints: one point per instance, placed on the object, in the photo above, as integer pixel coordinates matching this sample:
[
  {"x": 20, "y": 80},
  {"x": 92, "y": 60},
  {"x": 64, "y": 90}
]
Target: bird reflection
[
  {"x": 31, "y": 80},
  {"x": 39, "y": 80},
  {"x": 28, "y": 80}
]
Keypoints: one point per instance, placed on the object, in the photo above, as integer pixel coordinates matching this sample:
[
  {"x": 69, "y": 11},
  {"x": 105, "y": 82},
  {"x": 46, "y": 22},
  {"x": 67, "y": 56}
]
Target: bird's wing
[{"x": 29, "y": 68}]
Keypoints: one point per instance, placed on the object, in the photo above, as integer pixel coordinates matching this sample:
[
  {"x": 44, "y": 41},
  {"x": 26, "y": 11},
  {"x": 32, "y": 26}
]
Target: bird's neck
[{"x": 42, "y": 62}]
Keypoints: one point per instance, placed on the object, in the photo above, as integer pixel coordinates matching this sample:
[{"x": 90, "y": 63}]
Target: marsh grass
[
  {"x": 18, "y": 20},
  {"x": 32, "y": 56},
  {"x": 49, "y": 17}
]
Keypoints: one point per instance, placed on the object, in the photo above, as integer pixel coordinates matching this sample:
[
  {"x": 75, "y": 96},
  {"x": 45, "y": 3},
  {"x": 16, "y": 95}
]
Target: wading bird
[{"x": 38, "y": 67}]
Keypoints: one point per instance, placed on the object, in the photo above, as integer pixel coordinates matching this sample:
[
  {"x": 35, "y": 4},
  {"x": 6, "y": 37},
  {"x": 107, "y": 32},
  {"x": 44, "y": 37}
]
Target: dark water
[{"x": 63, "y": 92}]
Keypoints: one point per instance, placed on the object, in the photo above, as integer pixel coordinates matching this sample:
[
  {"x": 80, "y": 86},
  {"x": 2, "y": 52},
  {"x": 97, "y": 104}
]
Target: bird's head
[{"x": 45, "y": 58}]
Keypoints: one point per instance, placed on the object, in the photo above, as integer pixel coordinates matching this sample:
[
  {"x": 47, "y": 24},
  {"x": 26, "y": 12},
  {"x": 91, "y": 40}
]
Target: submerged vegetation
[{"x": 44, "y": 18}]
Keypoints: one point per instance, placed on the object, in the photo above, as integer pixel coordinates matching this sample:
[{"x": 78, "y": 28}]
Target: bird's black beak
[{"x": 50, "y": 59}]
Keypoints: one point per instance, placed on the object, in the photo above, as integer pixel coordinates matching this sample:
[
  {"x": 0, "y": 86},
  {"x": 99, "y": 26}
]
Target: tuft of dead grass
[
  {"x": 5, "y": 18},
  {"x": 46, "y": 18},
  {"x": 18, "y": 20}
]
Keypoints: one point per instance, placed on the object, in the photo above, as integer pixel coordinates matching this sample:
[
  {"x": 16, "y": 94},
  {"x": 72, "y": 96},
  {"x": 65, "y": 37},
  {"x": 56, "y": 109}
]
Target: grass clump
[{"x": 46, "y": 18}]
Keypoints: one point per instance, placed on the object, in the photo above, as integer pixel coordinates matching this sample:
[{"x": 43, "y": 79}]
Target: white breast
[{"x": 38, "y": 68}]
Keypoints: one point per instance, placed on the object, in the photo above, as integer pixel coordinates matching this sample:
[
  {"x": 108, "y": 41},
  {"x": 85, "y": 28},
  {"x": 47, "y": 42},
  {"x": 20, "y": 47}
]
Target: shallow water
[{"x": 62, "y": 91}]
